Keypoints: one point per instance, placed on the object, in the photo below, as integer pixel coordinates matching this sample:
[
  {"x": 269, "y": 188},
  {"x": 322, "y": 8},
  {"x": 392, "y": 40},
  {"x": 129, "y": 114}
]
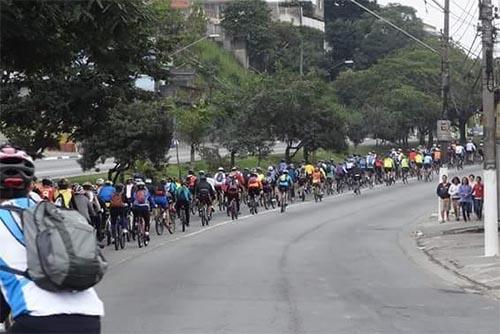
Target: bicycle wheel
[
  {"x": 159, "y": 226},
  {"x": 172, "y": 223},
  {"x": 140, "y": 232},
  {"x": 121, "y": 235},
  {"x": 116, "y": 235},
  {"x": 183, "y": 220}
]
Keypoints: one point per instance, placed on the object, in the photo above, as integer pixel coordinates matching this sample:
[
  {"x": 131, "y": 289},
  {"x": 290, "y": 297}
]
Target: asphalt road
[
  {"x": 330, "y": 267},
  {"x": 70, "y": 167}
]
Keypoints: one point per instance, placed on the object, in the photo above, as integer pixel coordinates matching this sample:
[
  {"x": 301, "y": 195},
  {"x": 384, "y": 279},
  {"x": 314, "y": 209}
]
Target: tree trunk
[
  {"x": 461, "y": 126},
  {"x": 191, "y": 160},
  {"x": 287, "y": 152},
  {"x": 233, "y": 158},
  {"x": 421, "y": 137},
  {"x": 306, "y": 153},
  {"x": 431, "y": 138}
]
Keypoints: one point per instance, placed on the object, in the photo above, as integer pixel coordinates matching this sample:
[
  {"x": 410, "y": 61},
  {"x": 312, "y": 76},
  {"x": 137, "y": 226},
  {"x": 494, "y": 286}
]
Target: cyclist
[
  {"x": 160, "y": 195},
  {"x": 389, "y": 167},
  {"x": 82, "y": 203},
  {"x": 284, "y": 184},
  {"x": 191, "y": 181},
  {"x": 64, "y": 195},
  {"x": 98, "y": 184},
  {"x": 204, "y": 192},
  {"x": 117, "y": 208},
  {"x": 427, "y": 163},
  {"x": 405, "y": 166},
  {"x": 34, "y": 310},
  {"x": 106, "y": 191},
  {"x": 129, "y": 188},
  {"x": 220, "y": 181},
  {"x": 281, "y": 166},
  {"x": 254, "y": 186},
  {"x": 419, "y": 160},
  {"x": 47, "y": 190},
  {"x": 437, "y": 157},
  {"x": 233, "y": 189},
  {"x": 183, "y": 198},
  {"x": 470, "y": 148},
  {"x": 317, "y": 180},
  {"x": 142, "y": 205}
]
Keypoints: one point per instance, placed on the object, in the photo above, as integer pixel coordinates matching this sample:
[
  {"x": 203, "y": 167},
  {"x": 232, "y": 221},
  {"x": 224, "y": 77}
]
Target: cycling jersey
[
  {"x": 388, "y": 163},
  {"x": 284, "y": 181},
  {"x": 316, "y": 177},
  {"x": 106, "y": 192},
  {"x": 309, "y": 169},
  {"x": 437, "y": 155},
  {"x": 418, "y": 158},
  {"x": 405, "y": 163},
  {"x": 47, "y": 193},
  {"x": 427, "y": 160},
  {"x": 24, "y": 296},
  {"x": 254, "y": 183}
]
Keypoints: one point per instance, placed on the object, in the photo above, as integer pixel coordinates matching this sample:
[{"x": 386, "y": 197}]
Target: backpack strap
[
  {"x": 10, "y": 223},
  {"x": 15, "y": 271}
]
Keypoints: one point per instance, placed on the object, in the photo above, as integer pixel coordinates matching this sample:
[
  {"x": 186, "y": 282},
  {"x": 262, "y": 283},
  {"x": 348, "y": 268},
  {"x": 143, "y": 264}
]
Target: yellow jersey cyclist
[
  {"x": 317, "y": 179},
  {"x": 405, "y": 166},
  {"x": 389, "y": 167}
]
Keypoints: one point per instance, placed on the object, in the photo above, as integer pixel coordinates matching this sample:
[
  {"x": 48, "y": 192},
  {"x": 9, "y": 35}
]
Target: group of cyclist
[{"x": 280, "y": 184}]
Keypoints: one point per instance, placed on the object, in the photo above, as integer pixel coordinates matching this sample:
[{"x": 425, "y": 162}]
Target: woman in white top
[{"x": 453, "y": 191}]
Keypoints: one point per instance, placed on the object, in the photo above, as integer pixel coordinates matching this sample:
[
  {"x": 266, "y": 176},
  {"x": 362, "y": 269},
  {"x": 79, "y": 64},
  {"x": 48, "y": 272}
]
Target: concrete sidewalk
[{"x": 459, "y": 247}]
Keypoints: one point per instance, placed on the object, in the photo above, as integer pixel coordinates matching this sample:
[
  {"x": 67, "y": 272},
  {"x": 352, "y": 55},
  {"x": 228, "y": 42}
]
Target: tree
[
  {"x": 75, "y": 61},
  {"x": 193, "y": 125},
  {"x": 137, "y": 131},
  {"x": 365, "y": 39},
  {"x": 249, "y": 21}
]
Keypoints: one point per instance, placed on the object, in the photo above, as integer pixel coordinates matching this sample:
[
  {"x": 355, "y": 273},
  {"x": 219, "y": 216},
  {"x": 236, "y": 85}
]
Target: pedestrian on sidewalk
[
  {"x": 478, "y": 193},
  {"x": 443, "y": 193},
  {"x": 465, "y": 193},
  {"x": 453, "y": 191}
]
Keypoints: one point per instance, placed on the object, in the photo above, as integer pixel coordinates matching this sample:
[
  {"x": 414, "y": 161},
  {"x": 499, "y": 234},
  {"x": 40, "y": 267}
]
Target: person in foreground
[{"x": 33, "y": 309}]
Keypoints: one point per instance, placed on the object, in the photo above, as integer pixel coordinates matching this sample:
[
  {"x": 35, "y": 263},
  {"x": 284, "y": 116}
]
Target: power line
[
  {"x": 464, "y": 15},
  {"x": 461, "y": 25},
  {"x": 455, "y": 16},
  {"x": 395, "y": 27},
  {"x": 471, "y": 18}
]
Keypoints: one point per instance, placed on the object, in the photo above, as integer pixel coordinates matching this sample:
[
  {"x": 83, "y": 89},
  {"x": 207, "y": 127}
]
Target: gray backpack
[{"x": 61, "y": 248}]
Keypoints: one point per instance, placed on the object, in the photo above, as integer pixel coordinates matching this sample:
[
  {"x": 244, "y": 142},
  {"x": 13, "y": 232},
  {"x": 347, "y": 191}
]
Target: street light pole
[{"x": 489, "y": 168}]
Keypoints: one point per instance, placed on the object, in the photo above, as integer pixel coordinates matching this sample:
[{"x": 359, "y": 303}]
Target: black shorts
[
  {"x": 427, "y": 166},
  {"x": 63, "y": 323},
  {"x": 419, "y": 165},
  {"x": 283, "y": 188},
  {"x": 387, "y": 169}
]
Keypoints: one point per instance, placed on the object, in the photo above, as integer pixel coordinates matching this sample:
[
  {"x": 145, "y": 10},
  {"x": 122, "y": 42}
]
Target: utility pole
[
  {"x": 445, "y": 91},
  {"x": 301, "y": 68},
  {"x": 489, "y": 172}
]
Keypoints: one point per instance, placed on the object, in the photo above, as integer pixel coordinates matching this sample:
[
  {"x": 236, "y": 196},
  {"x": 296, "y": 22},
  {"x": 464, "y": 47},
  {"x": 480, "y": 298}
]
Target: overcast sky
[{"x": 463, "y": 18}]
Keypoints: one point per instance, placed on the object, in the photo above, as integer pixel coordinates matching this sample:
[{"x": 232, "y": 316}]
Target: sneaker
[{"x": 125, "y": 231}]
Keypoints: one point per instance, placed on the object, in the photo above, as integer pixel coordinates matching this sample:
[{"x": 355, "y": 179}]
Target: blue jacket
[
  {"x": 106, "y": 192},
  {"x": 465, "y": 193}
]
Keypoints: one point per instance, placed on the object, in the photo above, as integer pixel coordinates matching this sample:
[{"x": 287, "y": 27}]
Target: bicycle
[
  {"x": 267, "y": 199},
  {"x": 140, "y": 228},
  {"x": 233, "y": 209},
  {"x": 428, "y": 175},
  {"x": 283, "y": 199},
  {"x": 404, "y": 176},
  {"x": 357, "y": 185},
  {"x": 118, "y": 234},
  {"x": 161, "y": 221},
  {"x": 318, "y": 196},
  {"x": 204, "y": 214},
  {"x": 252, "y": 204},
  {"x": 183, "y": 218}
]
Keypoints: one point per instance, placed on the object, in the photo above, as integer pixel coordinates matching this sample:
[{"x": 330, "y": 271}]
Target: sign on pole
[{"x": 444, "y": 130}]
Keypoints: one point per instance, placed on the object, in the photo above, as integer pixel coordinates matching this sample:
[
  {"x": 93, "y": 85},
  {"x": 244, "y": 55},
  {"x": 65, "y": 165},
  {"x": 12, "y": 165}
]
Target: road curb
[
  {"x": 62, "y": 157},
  {"x": 408, "y": 240}
]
